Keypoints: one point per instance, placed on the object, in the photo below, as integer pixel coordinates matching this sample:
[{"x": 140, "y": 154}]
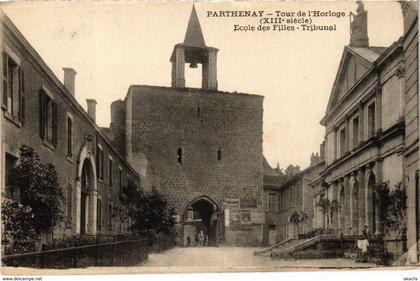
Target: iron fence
[{"x": 120, "y": 253}]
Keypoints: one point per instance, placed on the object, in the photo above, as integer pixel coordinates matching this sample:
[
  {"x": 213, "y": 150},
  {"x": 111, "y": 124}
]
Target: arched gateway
[
  {"x": 86, "y": 192},
  {"x": 202, "y": 214}
]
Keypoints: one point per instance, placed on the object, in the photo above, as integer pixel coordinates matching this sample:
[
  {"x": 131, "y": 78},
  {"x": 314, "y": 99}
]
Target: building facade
[
  {"x": 411, "y": 149},
  {"x": 201, "y": 147},
  {"x": 369, "y": 128},
  {"x": 273, "y": 180},
  {"x": 40, "y": 111},
  {"x": 286, "y": 194},
  {"x": 296, "y": 195}
]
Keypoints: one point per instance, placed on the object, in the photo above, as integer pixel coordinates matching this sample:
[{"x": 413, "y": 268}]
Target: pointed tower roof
[{"x": 194, "y": 36}]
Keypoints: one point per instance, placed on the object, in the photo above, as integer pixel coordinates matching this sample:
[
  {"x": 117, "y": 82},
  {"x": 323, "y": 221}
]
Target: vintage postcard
[{"x": 181, "y": 137}]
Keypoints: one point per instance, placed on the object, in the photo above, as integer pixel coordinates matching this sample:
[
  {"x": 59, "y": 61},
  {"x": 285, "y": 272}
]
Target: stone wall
[{"x": 220, "y": 138}]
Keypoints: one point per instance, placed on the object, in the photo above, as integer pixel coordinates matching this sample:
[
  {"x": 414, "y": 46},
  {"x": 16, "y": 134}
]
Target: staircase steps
[
  {"x": 280, "y": 245},
  {"x": 300, "y": 245},
  {"x": 286, "y": 244}
]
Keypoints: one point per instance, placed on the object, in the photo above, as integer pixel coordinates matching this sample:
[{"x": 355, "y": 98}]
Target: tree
[
  {"x": 328, "y": 208},
  {"x": 292, "y": 170},
  {"x": 392, "y": 205},
  {"x": 149, "y": 210},
  {"x": 19, "y": 233},
  {"x": 334, "y": 207},
  {"x": 298, "y": 217},
  {"x": 38, "y": 187}
]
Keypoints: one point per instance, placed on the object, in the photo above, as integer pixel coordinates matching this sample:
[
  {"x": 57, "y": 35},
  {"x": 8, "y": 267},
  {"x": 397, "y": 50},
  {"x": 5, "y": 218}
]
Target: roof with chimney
[{"x": 33, "y": 55}]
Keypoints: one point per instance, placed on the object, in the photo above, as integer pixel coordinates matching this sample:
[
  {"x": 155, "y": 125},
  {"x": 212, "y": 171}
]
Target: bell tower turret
[{"x": 194, "y": 51}]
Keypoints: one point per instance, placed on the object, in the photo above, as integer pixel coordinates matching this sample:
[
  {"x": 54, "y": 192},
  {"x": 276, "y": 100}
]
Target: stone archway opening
[
  {"x": 372, "y": 206},
  {"x": 202, "y": 222},
  {"x": 341, "y": 215},
  {"x": 355, "y": 209},
  {"x": 86, "y": 193},
  {"x": 86, "y": 188}
]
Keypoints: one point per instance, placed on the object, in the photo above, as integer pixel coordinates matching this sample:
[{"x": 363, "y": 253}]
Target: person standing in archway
[
  {"x": 206, "y": 240},
  {"x": 201, "y": 238}
]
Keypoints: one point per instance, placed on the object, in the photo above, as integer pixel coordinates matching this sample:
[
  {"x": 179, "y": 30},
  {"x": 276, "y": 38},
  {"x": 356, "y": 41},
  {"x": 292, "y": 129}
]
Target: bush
[
  {"x": 148, "y": 210},
  {"x": 38, "y": 187},
  {"x": 317, "y": 231},
  {"x": 393, "y": 205},
  {"x": 19, "y": 232},
  {"x": 39, "y": 199}
]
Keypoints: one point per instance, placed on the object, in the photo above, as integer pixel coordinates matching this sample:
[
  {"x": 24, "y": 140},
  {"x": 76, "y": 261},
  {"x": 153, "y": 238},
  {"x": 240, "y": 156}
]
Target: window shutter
[
  {"x": 42, "y": 112},
  {"x": 275, "y": 202},
  {"x": 54, "y": 123},
  {"x": 97, "y": 161},
  {"x": 69, "y": 136},
  {"x": 102, "y": 165},
  {"x": 5, "y": 86},
  {"x": 266, "y": 202},
  {"x": 21, "y": 95},
  {"x": 279, "y": 202}
]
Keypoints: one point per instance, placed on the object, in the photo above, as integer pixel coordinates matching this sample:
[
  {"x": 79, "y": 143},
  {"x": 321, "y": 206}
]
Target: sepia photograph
[{"x": 209, "y": 137}]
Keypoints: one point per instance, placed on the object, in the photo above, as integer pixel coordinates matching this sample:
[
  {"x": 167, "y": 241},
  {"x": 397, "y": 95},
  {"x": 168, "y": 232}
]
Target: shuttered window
[
  {"x": 69, "y": 136},
  {"x": 265, "y": 202},
  {"x": 48, "y": 116},
  {"x": 272, "y": 203},
  {"x": 5, "y": 80},
  {"x": 13, "y": 100},
  {"x": 110, "y": 170},
  {"x": 99, "y": 215},
  {"x": 100, "y": 163}
]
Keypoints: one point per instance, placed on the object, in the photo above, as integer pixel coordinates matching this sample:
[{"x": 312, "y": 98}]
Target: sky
[{"x": 115, "y": 45}]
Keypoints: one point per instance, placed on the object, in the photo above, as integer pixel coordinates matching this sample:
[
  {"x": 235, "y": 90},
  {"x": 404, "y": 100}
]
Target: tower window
[
  {"x": 219, "y": 155},
  {"x": 179, "y": 155},
  {"x": 198, "y": 112}
]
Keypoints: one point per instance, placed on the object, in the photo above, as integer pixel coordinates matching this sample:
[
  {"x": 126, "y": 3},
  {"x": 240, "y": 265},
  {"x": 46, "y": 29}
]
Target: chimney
[
  {"x": 69, "y": 78},
  {"x": 91, "y": 108},
  {"x": 322, "y": 151}
]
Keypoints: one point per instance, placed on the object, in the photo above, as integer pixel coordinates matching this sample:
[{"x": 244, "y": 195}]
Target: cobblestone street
[
  {"x": 213, "y": 259},
  {"x": 209, "y": 259}
]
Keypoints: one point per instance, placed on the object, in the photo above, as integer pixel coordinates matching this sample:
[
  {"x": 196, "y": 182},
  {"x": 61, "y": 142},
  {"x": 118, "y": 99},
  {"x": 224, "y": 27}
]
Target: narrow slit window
[
  {"x": 219, "y": 155},
  {"x": 179, "y": 155}
]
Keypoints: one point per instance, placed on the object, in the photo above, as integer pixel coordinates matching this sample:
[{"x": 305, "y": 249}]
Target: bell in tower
[{"x": 194, "y": 51}]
